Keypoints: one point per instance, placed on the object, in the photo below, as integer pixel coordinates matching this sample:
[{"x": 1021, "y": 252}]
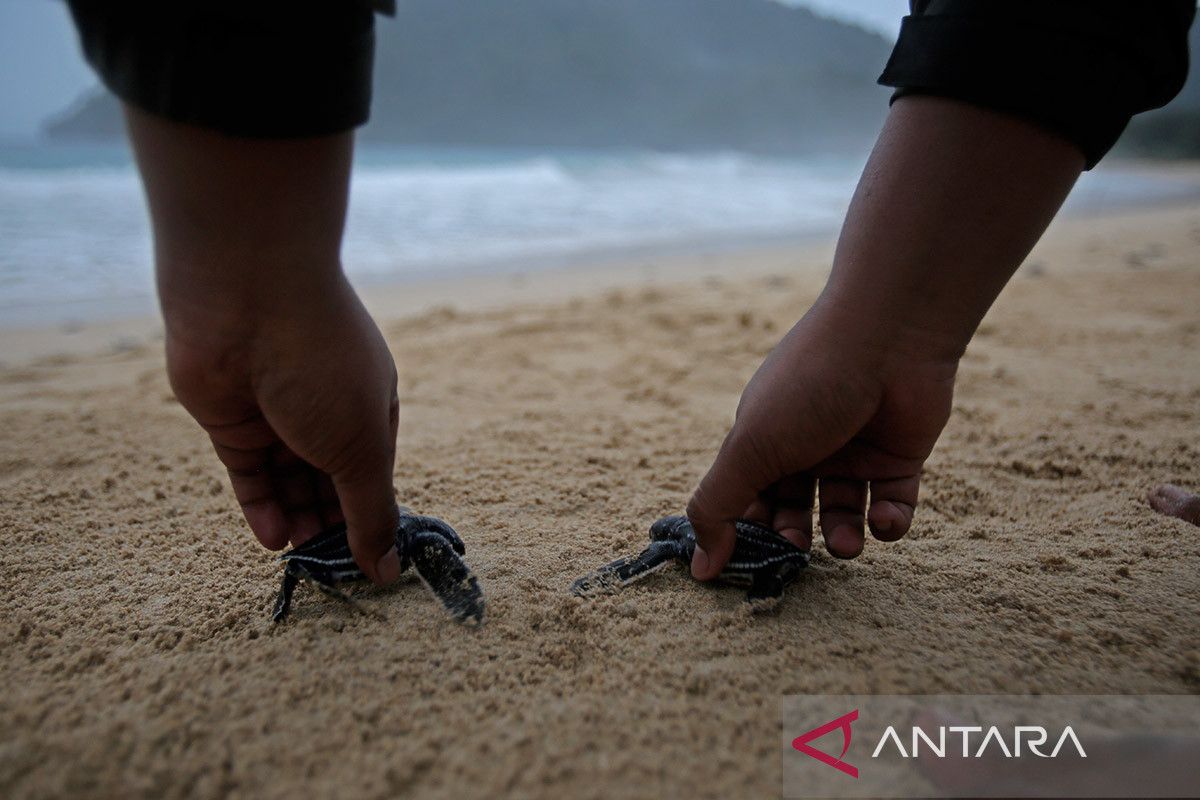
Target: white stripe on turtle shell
[{"x": 327, "y": 562}]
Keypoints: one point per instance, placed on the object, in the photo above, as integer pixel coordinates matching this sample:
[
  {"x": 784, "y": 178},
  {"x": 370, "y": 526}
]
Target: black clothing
[
  {"x": 262, "y": 68},
  {"x": 1081, "y": 68}
]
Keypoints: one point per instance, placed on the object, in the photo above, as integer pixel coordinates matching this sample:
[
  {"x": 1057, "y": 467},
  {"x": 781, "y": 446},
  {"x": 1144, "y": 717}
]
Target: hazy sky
[
  {"x": 41, "y": 71},
  {"x": 878, "y": 15}
]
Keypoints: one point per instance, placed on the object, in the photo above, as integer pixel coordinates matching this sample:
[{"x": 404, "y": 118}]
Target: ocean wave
[
  {"x": 78, "y": 232},
  {"x": 535, "y": 171}
]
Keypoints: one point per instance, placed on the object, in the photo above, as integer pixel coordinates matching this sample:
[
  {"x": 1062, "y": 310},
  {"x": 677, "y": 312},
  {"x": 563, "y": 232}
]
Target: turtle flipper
[
  {"x": 413, "y": 524},
  {"x": 283, "y": 603},
  {"x": 441, "y": 568},
  {"x": 617, "y": 575},
  {"x": 765, "y": 592},
  {"x": 300, "y": 572}
]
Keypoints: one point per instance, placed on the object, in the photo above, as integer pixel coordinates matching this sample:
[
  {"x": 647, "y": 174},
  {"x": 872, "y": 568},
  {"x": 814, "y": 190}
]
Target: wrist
[
  {"x": 223, "y": 309},
  {"x": 891, "y": 330}
]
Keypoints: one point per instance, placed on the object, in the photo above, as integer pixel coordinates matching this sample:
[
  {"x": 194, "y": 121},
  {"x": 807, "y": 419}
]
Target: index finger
[
  {"x": 368, "y": 498},
  {"x": 724, "y": 493},
  {"x": 369, "y": 505}
]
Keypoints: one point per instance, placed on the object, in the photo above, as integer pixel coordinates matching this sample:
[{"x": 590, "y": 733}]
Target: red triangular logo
[{"x": 801, "y": 743}]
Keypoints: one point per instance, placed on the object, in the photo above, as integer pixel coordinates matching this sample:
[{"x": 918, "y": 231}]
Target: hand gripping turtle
[
  {"x": 428, "y": 544},
  {"x": 762, "y": 560}
]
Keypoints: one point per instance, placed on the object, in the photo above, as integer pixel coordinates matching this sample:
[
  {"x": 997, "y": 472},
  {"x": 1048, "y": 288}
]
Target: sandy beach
[{"x": 551, "y": 418}]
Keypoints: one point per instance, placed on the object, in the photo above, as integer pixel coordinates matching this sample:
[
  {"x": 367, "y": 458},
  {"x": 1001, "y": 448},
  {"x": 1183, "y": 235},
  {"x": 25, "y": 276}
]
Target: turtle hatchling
[
  {"x": 428, "y": 544},
  {"x": 762, "y": 561}
]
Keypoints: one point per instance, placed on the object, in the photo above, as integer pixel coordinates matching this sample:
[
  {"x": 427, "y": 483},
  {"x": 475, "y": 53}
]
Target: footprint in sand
[
  {"x": 1174, "y": 501},
  {"x": 1140, "y": 259}
]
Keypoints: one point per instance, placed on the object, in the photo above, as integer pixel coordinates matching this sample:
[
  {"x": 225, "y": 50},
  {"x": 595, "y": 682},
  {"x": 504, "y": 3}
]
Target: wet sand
[{"x": 551, "y": 419}]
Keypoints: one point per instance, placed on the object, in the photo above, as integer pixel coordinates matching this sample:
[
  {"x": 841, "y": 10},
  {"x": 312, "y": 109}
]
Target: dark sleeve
[{"x": 1081, "y": 68}]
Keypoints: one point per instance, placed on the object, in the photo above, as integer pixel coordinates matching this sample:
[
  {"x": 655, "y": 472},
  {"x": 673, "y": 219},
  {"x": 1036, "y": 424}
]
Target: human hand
[
  {"x": 268, "y": 347},
  {"x": 302, "y": 410},
  {"x": 852, "y": 400},
  {"x": 832, "y": 412}
]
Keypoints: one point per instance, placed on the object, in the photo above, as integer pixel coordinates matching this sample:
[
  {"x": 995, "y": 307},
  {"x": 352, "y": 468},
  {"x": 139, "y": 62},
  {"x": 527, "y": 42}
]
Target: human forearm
[
  {"x": 949, "y": 204},
  {"x": 245, "y": 231}
]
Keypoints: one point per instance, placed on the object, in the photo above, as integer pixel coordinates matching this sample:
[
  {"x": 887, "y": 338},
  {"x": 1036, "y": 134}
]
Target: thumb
[
  {"x": 368, "y": 503},
  {"x": 723, "y": 495}
]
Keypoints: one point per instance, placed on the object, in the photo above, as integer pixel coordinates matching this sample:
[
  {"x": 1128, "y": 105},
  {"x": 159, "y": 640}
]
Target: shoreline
[
  {"x": 473, "y": 290},
  {"x": 803, "y": 257},
  {"x": 1117, "y": 187}
]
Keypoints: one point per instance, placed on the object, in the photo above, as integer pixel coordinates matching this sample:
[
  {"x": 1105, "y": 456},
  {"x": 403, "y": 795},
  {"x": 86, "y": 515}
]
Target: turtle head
[{"x": 672, "y": 529}]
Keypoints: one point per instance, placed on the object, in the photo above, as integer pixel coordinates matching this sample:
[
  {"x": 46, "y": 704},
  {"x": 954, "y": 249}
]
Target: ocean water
[{"x": 75, "y": 240}]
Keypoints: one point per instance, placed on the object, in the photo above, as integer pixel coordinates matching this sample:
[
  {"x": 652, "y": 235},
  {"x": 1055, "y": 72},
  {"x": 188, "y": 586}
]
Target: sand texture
[{"x": 138, "y": 659}]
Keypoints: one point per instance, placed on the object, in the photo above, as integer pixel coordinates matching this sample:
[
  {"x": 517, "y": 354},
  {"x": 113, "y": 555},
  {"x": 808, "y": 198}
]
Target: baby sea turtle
[
  {"x": 762, "y": 560},
  {"x": 426, "y": 543}
]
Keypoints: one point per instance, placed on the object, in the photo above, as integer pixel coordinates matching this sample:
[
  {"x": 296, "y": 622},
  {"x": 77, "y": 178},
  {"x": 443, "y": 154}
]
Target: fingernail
[
  {"x": 699, "y": 563},
  {"x": 387, "y": 568}
]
